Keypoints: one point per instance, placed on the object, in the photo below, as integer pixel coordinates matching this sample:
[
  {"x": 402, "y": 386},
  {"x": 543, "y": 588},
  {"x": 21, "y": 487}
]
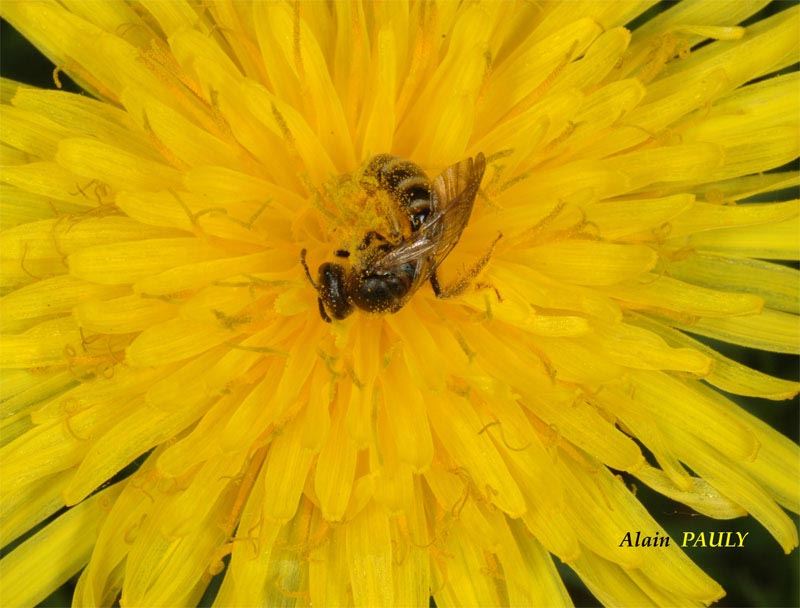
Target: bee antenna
[{"x": 305, "y": 267}]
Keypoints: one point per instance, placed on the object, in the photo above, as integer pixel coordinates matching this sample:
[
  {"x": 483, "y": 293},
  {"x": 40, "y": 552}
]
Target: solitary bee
[{"x": 393, "y": 268}]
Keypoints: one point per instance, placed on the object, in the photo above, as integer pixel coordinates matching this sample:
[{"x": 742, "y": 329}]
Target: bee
[{"x": 394, "y": 267}]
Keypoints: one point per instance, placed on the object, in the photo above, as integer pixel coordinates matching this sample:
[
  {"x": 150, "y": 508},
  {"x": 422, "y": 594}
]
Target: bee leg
[
  {"x": 454, "y": 289},
  {"x": 437, "y": 289},
  {"x": 308, "y": 272},
  {"x": 322, "y": 312},
  {"x": 461, "y": 284},
  {"x": 496, "y": 291}
]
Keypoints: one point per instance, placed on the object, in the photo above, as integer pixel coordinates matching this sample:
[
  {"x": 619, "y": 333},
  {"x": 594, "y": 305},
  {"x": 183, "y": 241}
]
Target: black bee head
[{"x": 333, "y": 290}]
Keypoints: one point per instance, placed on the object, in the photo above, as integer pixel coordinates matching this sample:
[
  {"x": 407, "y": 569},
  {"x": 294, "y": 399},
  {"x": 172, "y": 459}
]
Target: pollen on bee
[{"x": 354, "y": 208}]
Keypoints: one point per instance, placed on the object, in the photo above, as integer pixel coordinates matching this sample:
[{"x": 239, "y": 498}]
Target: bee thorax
[{"x": 382, "y": 292}]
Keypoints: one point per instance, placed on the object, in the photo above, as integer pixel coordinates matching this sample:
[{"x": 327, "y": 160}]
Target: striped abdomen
[{"x": 406, "y": 183}]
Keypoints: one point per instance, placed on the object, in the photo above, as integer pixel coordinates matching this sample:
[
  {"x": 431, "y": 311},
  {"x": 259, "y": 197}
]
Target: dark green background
[{"x": 758, "y": 575}]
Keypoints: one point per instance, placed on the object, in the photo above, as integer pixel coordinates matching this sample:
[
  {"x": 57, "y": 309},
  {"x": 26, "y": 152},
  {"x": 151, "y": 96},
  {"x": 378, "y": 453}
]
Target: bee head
[{"x": 332, "y": 289}]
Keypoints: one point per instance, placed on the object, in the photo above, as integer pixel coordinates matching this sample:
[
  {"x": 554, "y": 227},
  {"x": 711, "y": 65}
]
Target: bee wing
[
  {"x": 453, "y": 195},
  {"x": 420, "y": 247}
]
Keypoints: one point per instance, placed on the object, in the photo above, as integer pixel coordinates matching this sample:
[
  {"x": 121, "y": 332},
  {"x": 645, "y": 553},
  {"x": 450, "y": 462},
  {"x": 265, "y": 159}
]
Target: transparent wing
[
  {"x": 453, "y": 196},
  {"x": 454, "y": 193},
  {"x": 420, "y": 247}
]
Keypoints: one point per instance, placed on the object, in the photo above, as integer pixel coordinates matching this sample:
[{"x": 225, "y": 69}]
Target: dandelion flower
[{"x": 156, "y": 312}]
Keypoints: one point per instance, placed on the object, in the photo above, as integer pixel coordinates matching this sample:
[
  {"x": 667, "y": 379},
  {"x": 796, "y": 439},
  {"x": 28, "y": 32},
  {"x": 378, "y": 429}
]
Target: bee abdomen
[
  {"x": 414, "y": 196},
  {"x": 406, "y": 183}
]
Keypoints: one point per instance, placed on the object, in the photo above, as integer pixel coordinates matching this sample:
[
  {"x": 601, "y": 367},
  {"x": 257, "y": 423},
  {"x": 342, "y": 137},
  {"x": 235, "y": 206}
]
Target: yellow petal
[
  {"x": 599, "y": 59},
  {"x": 775, "y": 283},
  {"x": 700, "y": 496},
  {"x": 210, "y": 482},
  {"x": 671, "y": 399},
  {"x": 121, "y": 263},
  {"x": 634, "y": 348},
  {"x": 727, "y": 374},
  {"x": 172, "y": 16},
  {"x": 31, "y": 505},
  {"x": 135, "y": 433},
  {"x": 369, "y": 558},
  {"x": 48, "y": 343},
  {"x": 665, "y": 293},
  {"x": 245, "y": 582},
  {"x": 465, "y": 573},
  {"x": 287, "y": 573},
  {"x": 52, "y": 447},
  {"x": 123, "y": 315},
  {"x": 50, "y": 557},
  {"x": 22, "y": 388},
  {"x": 740, "y": 487},
  {"x": 327, "y": 568},
  {"x": 57, "y": 238},
  {"x": 589, "y": 262},
  {"x": 376, "y": 129},
  {"x": 411, "y": 577},
  {"x": 124, "y": 383},
  {"x": 532, "y": 578},
  {"x": 175, "y": 340},
  {"x": 192, "y": 276},
  {"x": 53, "y": 181},
  {"x": 100, "y": 582},
  {"x": 32, "y": 133},
  {"x": 608, "y": 582},
  {"x": 188, "y": 142},
  {"x": 20, "y": 207},
  {"x": 778, "y": 241},
  {"x": 638, "y": 422},
  {"x": 638, "y": 219},
  {"x": 284, "y": 121},
  {"x": 407, "y": 417},
  {"x": 775, "y": 452},
  {"x": 690, "y": 161},
  {"x": 603, "y": 108},
  {"x": 648, "y": 120},
  {"x": 531, "y": 64},
  {"x": 51, "y": 297},
  {"x": 705, "y": 216},
  {"x": 335, "y": 469},
  {"x": 767, "y": 45},
  {"x": 542, "y": 291},
  {"x": 161, "y": 571},
  {"x": 116, "y": 166},
  {"x": 285, "y": 474},
  {"x": 769, "y": 330},
  {"x": 84, "y": 115},
  {"x": 304, "y": 56}
]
